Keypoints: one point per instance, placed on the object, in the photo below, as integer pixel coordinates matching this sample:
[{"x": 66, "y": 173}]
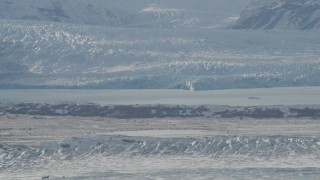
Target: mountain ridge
[
  {"x": 123, "y": 13},
  {"x": 281, "y": 14}
]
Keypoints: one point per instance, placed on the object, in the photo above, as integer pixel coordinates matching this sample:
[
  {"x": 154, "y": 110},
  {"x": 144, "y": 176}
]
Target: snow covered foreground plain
[
  {"x": 92, "y": 141},
  {"x": 35, "y": 147}
]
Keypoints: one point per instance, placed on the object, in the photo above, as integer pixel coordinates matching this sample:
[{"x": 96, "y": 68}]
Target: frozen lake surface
[{"x": 232, "y": 97}]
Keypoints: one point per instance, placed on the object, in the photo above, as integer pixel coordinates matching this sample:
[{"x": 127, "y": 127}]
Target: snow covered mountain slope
[
  {"x": 71, "y": 55},
  {"x": 284, "y": 14},
  {"x": 145, "y": 13},
  {"x": 71, "y": 11}
]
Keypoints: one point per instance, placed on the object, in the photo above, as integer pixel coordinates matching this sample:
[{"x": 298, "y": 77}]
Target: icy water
[{"x": 232, "y": 97}]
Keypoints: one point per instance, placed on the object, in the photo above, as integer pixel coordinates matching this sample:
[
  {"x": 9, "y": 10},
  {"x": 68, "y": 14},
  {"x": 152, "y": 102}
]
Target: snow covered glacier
[
  {"x": 42, "y": 54},
  {"x": 139, "y": 44}
]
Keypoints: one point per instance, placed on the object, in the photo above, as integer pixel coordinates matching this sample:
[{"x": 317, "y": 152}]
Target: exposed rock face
[{"x": 281, "y": 14}]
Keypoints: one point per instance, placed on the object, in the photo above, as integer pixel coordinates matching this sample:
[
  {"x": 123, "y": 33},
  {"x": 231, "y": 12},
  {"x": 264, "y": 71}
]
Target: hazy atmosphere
[{"x": 159, "y": 89}]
